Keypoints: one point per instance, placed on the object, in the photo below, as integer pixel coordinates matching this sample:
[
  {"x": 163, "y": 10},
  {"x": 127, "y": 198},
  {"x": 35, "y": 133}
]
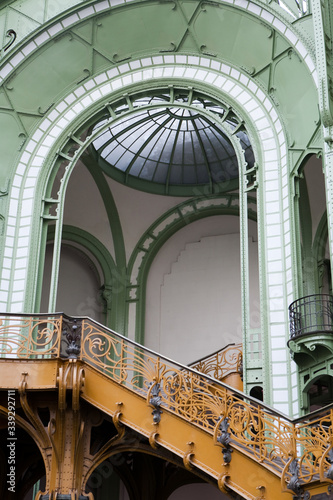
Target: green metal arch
[
  {"x": 231, "y": 208},
  {"x": 80, "y": 127},
  {"x": 90, "y": 243},
  {"x": 114, "y": 281},
  {"x": 111, "y": 210},
  {"x": 15, "y": 16}
]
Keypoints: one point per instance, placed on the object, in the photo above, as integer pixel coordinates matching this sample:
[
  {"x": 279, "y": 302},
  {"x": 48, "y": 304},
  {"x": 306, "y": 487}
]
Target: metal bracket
[
  {"x": 155, "y": 401},
  {"x": 294, "y": 484},
  {"x": 72, "y": 340},
  {"x": 224, "y": 440},
  {"x": 329, "y": 473},
  {"x": 12, "y": 35}
]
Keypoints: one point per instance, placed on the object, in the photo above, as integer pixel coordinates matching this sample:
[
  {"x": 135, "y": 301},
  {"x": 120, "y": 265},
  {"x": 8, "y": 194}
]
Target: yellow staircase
[{"x": 216, "y": 431}]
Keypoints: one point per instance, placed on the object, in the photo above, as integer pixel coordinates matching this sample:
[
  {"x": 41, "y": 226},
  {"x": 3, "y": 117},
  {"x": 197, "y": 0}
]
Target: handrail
[
  {"x": 255, "y": 429},
  {"x": 221, "y": 363}
]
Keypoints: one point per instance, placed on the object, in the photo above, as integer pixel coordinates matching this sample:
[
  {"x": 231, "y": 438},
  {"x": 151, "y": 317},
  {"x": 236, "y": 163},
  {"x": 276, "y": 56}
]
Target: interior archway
[{"x": 79, "y": 288}]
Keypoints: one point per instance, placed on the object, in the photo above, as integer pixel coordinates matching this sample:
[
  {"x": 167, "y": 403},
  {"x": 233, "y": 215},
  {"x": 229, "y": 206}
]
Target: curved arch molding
[
  {"x": 114, "y": 281},
  {"x": 58, "y": 123},
  {"x": 45, "y": 126},
  {"x": 36, "y": 162}
]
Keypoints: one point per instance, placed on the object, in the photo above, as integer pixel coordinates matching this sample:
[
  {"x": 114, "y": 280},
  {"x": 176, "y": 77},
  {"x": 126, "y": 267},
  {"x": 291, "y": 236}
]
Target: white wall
[
  {"x": 84, "y": 207},
  {"x": 138, "y": 210},
  {"x": 194, "y": 290},
  {"x": 78, "y": 285}
]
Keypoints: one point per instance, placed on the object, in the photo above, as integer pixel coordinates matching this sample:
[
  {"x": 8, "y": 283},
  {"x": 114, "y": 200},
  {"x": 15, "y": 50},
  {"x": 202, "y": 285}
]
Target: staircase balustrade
[{"x": 299, "y": 451}]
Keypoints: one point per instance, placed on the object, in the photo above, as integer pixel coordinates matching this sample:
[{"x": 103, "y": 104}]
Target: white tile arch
[{"x": 56, "y": 126}]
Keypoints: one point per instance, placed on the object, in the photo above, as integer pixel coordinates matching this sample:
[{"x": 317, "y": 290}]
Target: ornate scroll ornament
[
  {"x": 72, "y": 339},
  {"x": 294, "y": 483},
  {"x": 155, "y": 401},
  {"x": 32, "y": 415},
  {"x": 116, "y": 419},
  {"x": 188, "y": 456},
  {"x": 222, "y": 363},
  {"x": 23, "y": 336},
  {"x": 326, "y": 464},
  {"x": 11, "y": 34},
  {"x": 224, "y": 439}
]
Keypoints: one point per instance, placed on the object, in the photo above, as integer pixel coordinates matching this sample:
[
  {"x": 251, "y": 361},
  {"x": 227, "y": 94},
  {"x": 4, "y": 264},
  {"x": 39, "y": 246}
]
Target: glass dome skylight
[{"x": 172, "y": 146}]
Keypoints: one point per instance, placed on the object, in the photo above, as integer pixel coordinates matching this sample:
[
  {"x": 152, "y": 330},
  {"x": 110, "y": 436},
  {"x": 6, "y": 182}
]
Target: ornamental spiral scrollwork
[
  {"x": 234, "y": 420},
  {"x": 23, "y": 337}
]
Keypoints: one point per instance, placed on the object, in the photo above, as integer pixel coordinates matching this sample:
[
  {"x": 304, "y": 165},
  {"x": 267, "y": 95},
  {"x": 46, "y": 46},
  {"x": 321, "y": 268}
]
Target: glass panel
[
  {"x": 107, "y": 150},
  {"x": 102, "y": 139},
  {"x": 137, "y": 166},
  {"x": 148, "y": 170},
  {"x": 190, "y": 176},
  {"x": 188, "y": 150},
  {"x": 173, "y": 140},
  {"x": 175, "y": 174},
  {"x": 202, "y": 173},
  {"x": 114, "y": 156},
  {"x": 124, "y": 161},
  {"x": 161, "y": 173},
  {"x": 168, "y": 138},
  {"x": 178, "y": 152}
]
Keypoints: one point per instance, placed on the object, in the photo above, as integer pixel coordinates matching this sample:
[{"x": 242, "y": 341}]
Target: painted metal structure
[
  {"x": 66, "y": 65},
  {"x": 161, "y": 400}
]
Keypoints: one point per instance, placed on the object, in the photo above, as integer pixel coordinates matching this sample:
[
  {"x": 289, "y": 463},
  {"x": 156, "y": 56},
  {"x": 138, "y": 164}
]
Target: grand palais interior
[{"x": 166, "y": 232}]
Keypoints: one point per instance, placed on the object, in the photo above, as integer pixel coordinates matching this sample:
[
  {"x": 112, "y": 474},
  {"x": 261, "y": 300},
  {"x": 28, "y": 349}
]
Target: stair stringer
[{"x": 243, "y": 475}]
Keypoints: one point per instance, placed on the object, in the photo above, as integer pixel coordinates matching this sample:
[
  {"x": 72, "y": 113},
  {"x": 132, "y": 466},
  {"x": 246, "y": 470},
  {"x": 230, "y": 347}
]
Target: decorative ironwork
[
  {"x": 72, "y": 338},
  {"x": 311, "y": 314},
  {"x": 155, "y": 401},
  {"x": 221, "y": 363},
  {"x": 11, "y": 34},
  {"x": 23, "y": 336},
  {"x": 234, "y": 420},
  {"x": 294, "y": 484},
  {"x": 224, "y": 439}
]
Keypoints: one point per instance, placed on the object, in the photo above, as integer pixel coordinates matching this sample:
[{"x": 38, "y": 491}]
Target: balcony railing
[{"x": 311, "y": 315}]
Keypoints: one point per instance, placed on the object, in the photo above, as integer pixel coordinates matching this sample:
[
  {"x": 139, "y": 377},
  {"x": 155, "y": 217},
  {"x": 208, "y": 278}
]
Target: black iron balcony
[
  {"x": 311, "y": 328},
  {"x": 310, "y": 315}
]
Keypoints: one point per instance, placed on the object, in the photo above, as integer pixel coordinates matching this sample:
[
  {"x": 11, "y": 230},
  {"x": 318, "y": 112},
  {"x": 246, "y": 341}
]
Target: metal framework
[{"x": 298, "y": 451}]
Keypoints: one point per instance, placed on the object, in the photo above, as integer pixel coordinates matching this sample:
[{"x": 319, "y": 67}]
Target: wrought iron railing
[
  {"x": 310, "y": 315},
  {"x": 299, "y": 451},
  {"x": 221, "y": 363}
]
